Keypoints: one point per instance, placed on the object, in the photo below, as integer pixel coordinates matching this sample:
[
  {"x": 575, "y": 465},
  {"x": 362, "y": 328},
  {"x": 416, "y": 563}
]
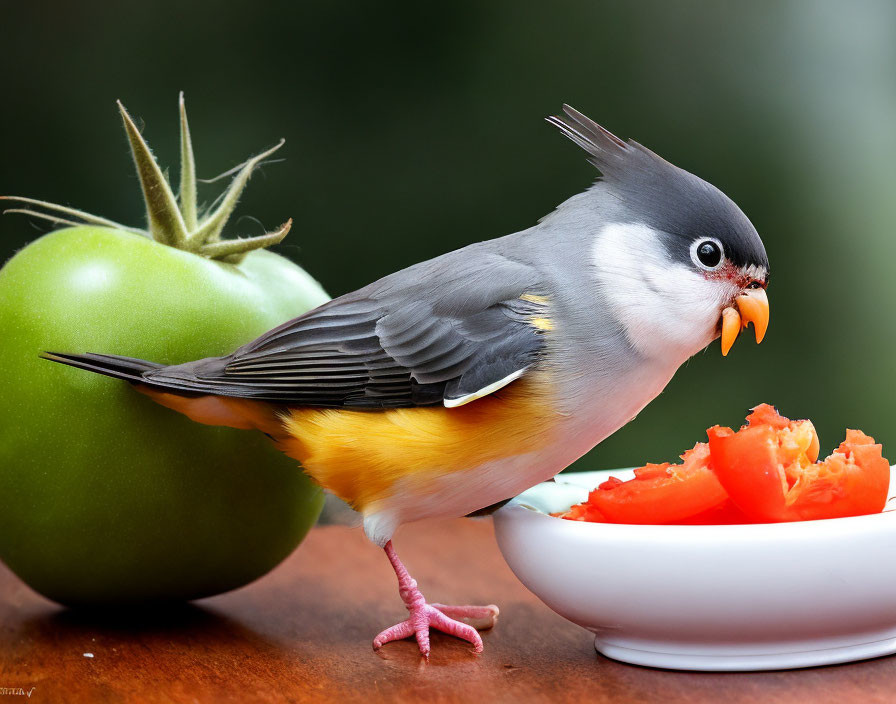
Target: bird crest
[{"x": 612, "y": 156}]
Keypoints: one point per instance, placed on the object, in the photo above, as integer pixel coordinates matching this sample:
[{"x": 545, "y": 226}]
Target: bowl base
[{"x": 731, "y": 658}]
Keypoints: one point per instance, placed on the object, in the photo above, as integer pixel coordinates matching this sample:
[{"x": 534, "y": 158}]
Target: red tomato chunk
[
  {"x": 659, "y": 493},
  {"x": 765, "y": 472}
]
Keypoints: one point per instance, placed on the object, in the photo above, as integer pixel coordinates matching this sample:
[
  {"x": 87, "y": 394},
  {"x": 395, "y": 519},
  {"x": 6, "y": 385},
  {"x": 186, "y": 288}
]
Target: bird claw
[
  {"x": 425, "y": 616},
  {"x": 482, "y": 618}
]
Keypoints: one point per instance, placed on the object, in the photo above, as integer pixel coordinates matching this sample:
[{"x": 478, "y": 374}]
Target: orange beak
[{"x": 752, "y": 307}]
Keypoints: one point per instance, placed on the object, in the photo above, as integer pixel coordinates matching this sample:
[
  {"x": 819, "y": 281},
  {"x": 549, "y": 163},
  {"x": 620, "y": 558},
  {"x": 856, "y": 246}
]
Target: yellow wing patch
[{"x": 541, "y": 321}]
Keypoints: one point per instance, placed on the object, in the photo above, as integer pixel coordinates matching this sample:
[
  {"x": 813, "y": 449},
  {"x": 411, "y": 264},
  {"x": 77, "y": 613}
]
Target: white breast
[{"x": 591, "y": 411}]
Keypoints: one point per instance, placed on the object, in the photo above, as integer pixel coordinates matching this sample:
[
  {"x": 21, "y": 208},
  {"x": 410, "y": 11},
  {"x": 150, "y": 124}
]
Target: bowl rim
[{"x": 863, "y": 523}]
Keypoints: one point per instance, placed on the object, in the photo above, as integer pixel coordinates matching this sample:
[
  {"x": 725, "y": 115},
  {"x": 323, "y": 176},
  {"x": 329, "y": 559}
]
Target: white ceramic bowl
[{"x": 730, "y": 597}]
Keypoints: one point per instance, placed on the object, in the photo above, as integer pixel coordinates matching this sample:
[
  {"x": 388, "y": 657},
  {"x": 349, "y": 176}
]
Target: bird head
[{"x": 677, "y": 261}]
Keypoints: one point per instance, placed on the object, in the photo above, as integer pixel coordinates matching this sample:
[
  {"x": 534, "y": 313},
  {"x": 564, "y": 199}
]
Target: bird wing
[{"x": 436, "y": 333}]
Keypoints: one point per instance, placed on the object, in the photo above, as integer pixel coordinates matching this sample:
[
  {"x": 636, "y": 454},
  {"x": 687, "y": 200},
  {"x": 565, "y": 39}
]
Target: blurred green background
[{"x": 416, "y": 128}]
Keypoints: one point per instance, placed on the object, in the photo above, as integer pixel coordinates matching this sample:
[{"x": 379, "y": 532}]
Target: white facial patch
[{"x": 666, "y": 308}]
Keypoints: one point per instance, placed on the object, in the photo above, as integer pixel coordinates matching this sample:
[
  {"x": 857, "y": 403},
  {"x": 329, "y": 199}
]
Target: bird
[{"x": 452, "y": 385}]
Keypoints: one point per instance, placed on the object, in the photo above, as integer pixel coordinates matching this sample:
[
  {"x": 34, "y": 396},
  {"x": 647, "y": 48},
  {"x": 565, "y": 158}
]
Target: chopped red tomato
[
  {"x": 659, "y": 493},
  {"x": 800, "y": 431},
  {"x": 769, "y": 470},
  {"x": 726, "y": 513},
  {"x": 583, "y": 512}
]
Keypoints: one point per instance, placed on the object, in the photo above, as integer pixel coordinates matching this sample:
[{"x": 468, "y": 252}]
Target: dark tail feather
[
  {"x": 126, "y": 368},
  {"x": 178, "y": 379}
]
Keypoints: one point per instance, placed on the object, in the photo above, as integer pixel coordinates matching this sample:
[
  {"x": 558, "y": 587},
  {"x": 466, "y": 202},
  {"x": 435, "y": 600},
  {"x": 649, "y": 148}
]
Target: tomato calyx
[{"x": 172, "y": 220}]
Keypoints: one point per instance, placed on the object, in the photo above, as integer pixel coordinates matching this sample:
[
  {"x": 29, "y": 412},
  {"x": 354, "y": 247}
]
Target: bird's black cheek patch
[{"x": 678, "y": 248}]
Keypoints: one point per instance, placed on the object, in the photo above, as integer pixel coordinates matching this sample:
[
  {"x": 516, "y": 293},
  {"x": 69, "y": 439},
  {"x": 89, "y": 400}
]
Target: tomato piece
[
  {"x": 853, "y": 481},
  {"x": 765, "y": 414},
  {"x": 659, "y": 493},
  {"x": 726, "y": 513},
  {"x": 610, "y": 483},
  {"x": 583, "y": 512},
  {"x": 653, "y": 471},
  {"x": 769, "y": 469},
  {"x": 746, "y": 464}
]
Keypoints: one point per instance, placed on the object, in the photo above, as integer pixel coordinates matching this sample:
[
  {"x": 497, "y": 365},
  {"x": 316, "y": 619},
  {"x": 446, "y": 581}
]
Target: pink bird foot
[{"x": 424, "y": 616}]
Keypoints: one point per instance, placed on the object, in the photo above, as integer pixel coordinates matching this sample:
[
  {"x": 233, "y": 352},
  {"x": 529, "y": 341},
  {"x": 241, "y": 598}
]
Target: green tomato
[{"x": 106, "y": 497}]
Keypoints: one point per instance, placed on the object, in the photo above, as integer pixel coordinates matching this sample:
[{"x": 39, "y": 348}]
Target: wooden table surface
[{"x": 303, "y": 632}]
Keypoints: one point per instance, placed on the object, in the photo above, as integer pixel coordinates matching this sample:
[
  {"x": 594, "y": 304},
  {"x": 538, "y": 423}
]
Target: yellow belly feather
[{"x": 359, "y": 455}]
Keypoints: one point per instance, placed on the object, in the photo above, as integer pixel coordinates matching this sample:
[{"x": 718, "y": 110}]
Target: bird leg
[{"x": 424, "y": 616}]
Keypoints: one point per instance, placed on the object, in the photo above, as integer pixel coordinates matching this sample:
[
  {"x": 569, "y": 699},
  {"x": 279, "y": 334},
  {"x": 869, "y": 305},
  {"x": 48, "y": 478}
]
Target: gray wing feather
[{"x": 439, "y": 330}]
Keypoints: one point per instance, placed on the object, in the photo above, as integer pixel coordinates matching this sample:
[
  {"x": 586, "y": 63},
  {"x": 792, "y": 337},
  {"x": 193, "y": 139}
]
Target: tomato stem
[
  {"x": 173, "y": 220},
  {"x": 79, "y": 214},
  {"x": 210, "y": 229},
  {"x": 227, "y": 249},
  {"x": 165, "y": 220},
  {"x": 187, "y": 171}
]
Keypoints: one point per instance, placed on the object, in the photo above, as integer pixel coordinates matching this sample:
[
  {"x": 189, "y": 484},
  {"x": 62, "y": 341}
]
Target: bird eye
[{"x": 707, "y": 253}]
